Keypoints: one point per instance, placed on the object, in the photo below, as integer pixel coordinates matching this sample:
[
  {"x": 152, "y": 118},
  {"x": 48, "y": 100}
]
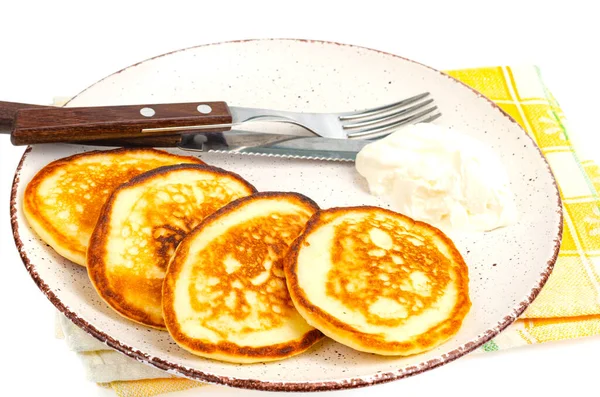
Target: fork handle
[
  {"x": 8, "y": 111},
  {"x": 57, "y": 124}
]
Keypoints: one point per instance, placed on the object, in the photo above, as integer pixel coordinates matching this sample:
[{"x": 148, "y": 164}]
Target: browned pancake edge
[
  {"x": 44, "y": 227},
  {"x": 268, "y": 353},
  {"x": 97, "y": 248},
  {"x": 323, "y": 320}
]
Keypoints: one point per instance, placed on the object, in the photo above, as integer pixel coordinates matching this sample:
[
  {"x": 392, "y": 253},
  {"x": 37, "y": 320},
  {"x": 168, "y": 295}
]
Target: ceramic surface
[{"x": 507, "y": 267}]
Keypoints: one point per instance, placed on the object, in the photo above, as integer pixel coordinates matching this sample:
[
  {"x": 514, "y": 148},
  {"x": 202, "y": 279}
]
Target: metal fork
[
  {"x": 367, "y": 124},
  {"x": 32, "y": 125}
]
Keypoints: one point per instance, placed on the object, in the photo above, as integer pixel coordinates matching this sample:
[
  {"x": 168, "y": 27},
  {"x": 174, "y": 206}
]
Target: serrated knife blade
[{"x": 280, "y": 145}]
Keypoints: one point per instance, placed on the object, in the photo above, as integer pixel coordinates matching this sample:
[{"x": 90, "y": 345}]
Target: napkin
[{"x": 567, "y": 307}]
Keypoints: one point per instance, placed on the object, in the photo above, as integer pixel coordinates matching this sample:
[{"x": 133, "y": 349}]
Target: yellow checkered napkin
[{"x": 568, "y": 306}]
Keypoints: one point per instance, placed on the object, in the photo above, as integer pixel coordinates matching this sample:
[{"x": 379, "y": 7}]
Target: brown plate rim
[{"x": 256, "y": 384}]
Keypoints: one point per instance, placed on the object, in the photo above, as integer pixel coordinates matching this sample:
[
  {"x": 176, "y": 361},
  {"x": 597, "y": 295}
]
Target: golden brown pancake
[
  {"x": 378, "y": 281},
  {"x": 63, "y": 200},
  {"x": 224, "y": 295},
  {"x": 140, "y": 226}
]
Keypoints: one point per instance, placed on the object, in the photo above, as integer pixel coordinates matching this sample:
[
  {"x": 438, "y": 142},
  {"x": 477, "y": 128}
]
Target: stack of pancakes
[{"x": 240, "y": 276}]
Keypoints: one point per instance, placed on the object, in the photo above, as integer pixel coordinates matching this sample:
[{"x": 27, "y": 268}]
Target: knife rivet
[
  {"x": 147, "y": 112},
  {"x": 204, "y": 109}
]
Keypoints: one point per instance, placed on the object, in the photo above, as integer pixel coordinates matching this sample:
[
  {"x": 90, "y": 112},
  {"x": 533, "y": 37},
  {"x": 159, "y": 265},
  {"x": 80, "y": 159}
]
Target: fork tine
[
  {"x": 372, "y": 111},
  {"x": 386, "y": 129},
  {"x": 431, "y": 118},
  {"x": 386, "y": 117}
]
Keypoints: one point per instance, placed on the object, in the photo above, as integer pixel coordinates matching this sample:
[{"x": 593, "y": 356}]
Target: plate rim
[{"x": 304, "y": 386}]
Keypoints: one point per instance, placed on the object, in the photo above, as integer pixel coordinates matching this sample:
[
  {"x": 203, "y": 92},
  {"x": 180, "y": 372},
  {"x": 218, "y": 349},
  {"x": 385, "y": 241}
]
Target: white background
[{"x": 58, "y": 48}]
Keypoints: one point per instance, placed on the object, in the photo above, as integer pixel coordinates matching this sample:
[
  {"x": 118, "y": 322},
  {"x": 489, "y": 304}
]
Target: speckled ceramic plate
[{"x": 507, "y": 267}]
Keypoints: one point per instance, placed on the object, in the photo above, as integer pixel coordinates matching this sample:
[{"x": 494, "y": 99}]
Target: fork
[{"x": 52, "y": 124}]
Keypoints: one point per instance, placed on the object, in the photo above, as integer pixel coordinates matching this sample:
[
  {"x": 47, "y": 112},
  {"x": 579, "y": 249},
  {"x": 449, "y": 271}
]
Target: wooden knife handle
[
  {"x": 8, "y": 111},
  {"x": 86, "y": 124},
  {"x": 150, "y": 141}
]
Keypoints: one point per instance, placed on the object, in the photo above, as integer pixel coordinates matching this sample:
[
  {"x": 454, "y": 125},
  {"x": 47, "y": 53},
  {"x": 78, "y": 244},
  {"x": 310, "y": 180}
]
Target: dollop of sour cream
[{"x": 439, "y": 176}]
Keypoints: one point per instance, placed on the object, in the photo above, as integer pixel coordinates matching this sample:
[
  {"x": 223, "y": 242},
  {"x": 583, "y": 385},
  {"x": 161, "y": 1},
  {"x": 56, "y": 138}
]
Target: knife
[
  {"x": 255, "y": 143},
  {"x": 232, "y": 141}
]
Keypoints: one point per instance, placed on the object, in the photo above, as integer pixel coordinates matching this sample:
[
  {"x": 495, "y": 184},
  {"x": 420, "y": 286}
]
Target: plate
[{"x": 508, "y": 267}]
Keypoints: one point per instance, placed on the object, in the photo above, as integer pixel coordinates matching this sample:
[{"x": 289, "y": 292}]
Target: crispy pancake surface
[
  {"x": 378, "y": 281},
  {"x": 62, "y": 202},
  {"x": 224, "y": 295},
  {"x": 141, "y": 225}
]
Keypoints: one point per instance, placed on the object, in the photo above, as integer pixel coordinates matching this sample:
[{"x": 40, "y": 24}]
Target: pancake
[
  {"x": 140, "y": 226},
  {"x": 63, "y": 200},
  {"x": 378, "y": 281},
  {"x": 224, "y": 295}
]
